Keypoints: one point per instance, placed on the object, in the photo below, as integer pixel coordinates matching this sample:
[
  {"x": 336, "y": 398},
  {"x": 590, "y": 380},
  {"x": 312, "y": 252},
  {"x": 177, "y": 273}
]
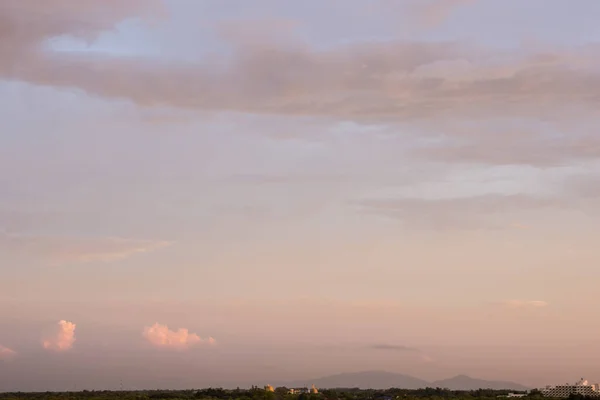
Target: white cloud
[
  {"x": 61, "y": 338},
  {"x": 6, "y": 353},
  {"x": 161, "y": 336}
]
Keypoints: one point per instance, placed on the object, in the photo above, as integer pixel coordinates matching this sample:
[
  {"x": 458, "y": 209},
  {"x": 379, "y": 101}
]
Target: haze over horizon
[{"x": 196, "y": 192}]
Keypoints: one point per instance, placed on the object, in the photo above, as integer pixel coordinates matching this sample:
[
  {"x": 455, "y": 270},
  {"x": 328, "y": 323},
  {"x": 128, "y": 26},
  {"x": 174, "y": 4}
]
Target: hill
[
  {"x": 463, "y": 382},
  {"x": 364, "y": 380},
  {"x": 386, "y": 380}
]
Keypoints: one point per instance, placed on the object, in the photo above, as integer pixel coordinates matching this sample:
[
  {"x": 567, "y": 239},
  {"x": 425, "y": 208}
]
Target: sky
[{"x": 201, "y": 192}]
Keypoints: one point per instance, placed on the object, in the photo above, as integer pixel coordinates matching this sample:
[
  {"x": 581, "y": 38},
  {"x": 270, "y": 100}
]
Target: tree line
[{"x": 281, "y": 393}]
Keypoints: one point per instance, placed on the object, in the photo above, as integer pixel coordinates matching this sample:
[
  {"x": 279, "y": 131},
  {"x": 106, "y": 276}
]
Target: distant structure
[
  {"x": 298, "y": 390},
  {"x": 563, "y": 391},
  {"x": 312, "y": 389},
  {"x": 269, "y": 388}
]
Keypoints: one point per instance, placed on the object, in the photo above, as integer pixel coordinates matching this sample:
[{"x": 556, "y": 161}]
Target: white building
[
  {"x": 312, "y": 389},
  {"x": 298, "y": 390},
  {"x": 581, "y": 387}
]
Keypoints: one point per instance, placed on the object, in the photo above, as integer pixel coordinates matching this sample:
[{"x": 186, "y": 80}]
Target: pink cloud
[
  {"x": 6, "y": 353},
  {"x": 62, "y": 337},
  {"x": 161, "y": 336}
]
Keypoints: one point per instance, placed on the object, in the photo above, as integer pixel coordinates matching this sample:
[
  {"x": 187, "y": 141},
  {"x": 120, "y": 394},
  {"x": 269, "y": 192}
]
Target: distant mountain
[
  {"x": 463, "y": 382},
  {"x": 364, "y": 380},
  {"x": 386, "y": 380}
]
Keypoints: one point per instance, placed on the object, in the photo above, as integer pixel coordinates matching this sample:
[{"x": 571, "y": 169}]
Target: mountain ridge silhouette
[{"x": 378, "y": 379}]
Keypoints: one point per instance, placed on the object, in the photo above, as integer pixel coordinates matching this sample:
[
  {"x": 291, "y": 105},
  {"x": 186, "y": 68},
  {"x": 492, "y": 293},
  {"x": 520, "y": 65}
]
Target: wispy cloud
[
  {"x": 61, "y": 338},
  {"x": 473, "y": 212},
  {"x": 585, "y": 186},
  {"x": 6, "y": 353},
  {"x": 432, "y": 13},
  {"x": 181, "y": 339},
  {"x": 393, "y": 347},
  {"x": 519, "y": 225},
  {"x": 62, "y": 250},
  {"x": 426, "y": 358},
  {"x": 520, "y": 304},
  {"x": 402, "y": 349},
  {"x": 513, "y": 148}
]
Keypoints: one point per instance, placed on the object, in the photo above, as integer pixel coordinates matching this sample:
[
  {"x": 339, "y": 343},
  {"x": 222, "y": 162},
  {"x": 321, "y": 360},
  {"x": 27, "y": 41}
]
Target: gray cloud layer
[
  {"x": 393, "y": 82},
  {"x": 396, "y": 81}
]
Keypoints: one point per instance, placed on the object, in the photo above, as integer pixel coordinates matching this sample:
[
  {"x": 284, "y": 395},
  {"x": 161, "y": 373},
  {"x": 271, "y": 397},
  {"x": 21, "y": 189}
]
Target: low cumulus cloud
[
  {"x": 6, "y": 354},
  {"x": 65, "y": 250},
  {"x": 61, "y": 337},
  {"x": 161, "y": 336}
]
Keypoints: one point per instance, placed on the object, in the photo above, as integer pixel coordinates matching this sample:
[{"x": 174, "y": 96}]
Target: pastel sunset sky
[{"x": 232, "y": 192}]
